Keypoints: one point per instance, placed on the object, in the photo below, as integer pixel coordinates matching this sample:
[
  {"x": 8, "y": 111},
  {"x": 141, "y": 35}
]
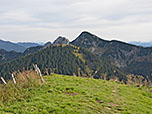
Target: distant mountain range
[
  {"x": 144, "y": 44},
  {"x": 87, "y": 55},
  {"x": 22, "y": 46},
  {"x": 9, "y": 46},
  {"x": 18, "y": 47},
  {"x": 27, "y": 44},
  {"x": 8, "y": 56}
]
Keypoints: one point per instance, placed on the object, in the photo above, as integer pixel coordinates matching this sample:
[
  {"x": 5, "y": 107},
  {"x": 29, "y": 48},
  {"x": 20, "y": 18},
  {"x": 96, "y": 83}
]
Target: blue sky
[{"x": 45, "y": 20}]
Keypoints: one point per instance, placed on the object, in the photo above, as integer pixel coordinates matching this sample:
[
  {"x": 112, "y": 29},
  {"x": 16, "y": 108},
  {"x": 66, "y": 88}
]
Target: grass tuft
[{"x": 20, "y": 91}]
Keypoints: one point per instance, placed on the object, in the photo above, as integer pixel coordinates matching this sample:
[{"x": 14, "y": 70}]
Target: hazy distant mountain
[
  {"x": 18, "y": 47},
  {"x": 9, "y": 46},
  {"x": 8, "y": 56},
  {"x": 28, "y": 44},
  {"x": 144, "y": 44}
]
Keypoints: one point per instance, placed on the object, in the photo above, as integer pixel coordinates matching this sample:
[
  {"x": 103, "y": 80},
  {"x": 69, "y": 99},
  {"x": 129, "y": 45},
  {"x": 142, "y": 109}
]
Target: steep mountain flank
[
  {"x": 63, "y": 59},
  {"x": 131, "y": 58},
  {"x": 32, "y": 50}
]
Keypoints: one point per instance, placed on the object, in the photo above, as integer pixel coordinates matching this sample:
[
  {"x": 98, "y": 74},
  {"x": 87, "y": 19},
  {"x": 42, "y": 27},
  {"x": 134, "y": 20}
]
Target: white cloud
[
  {"x": 17, "y": 16},
  {"x": 31, "y": 19}
]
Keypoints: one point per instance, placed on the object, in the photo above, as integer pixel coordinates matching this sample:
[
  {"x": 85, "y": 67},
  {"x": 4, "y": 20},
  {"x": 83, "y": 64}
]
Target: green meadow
[{"x": 62, "y": 94}]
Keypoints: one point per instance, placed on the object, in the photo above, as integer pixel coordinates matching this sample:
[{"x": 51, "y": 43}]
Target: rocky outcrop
[
  {"x": 61, "y": 40},
  {"x": 48, "y": 44}
]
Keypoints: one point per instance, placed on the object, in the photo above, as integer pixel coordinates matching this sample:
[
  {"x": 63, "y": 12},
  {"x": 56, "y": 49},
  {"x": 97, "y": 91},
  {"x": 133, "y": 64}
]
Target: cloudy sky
[{"x": 44, "y": 20}]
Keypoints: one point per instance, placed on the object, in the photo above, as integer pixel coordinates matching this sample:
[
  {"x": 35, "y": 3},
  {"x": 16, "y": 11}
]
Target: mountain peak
[
  {"x": 48, "y": 44},
  {"x": 61, "y": 40},
  {"x": 85, "y": 34},
  {"x": 86, "y": 39}
]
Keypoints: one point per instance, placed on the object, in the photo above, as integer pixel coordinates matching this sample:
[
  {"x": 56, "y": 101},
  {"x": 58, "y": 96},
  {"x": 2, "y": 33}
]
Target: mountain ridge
[
  {"x": 126, "y": 58},
  {"x": 9, "y": 46},
  {"x": 18, "y": 47},
  {"x": 8, "y": 56},
  {"x": 28, "y": 44},
  {"x": 121, "y": 54}
]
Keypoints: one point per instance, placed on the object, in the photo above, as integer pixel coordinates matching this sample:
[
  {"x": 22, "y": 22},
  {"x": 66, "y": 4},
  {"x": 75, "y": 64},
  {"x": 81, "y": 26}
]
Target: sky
[{"x": 45, "y": 20}]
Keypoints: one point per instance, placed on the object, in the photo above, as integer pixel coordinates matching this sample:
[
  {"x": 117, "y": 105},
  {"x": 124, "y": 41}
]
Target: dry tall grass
[{"x": 11, "y": 92}]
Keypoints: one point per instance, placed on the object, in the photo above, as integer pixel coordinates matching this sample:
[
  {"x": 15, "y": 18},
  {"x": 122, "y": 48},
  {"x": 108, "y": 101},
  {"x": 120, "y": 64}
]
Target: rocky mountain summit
[
  {"x": 131, "y": 58},
  {"x": 61, "y": 40}
]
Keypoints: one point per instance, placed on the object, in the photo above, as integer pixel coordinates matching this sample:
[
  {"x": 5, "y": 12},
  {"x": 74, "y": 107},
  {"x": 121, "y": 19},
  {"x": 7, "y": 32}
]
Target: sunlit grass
[{"x": 75, "y": 95}]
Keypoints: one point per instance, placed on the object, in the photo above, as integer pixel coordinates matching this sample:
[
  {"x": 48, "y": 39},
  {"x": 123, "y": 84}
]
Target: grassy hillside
[{"x": 74, "y": 95}]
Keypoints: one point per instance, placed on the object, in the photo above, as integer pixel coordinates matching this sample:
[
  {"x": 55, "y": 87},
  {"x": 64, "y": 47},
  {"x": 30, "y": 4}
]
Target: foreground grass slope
[{"x": 75, "y": 95}]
